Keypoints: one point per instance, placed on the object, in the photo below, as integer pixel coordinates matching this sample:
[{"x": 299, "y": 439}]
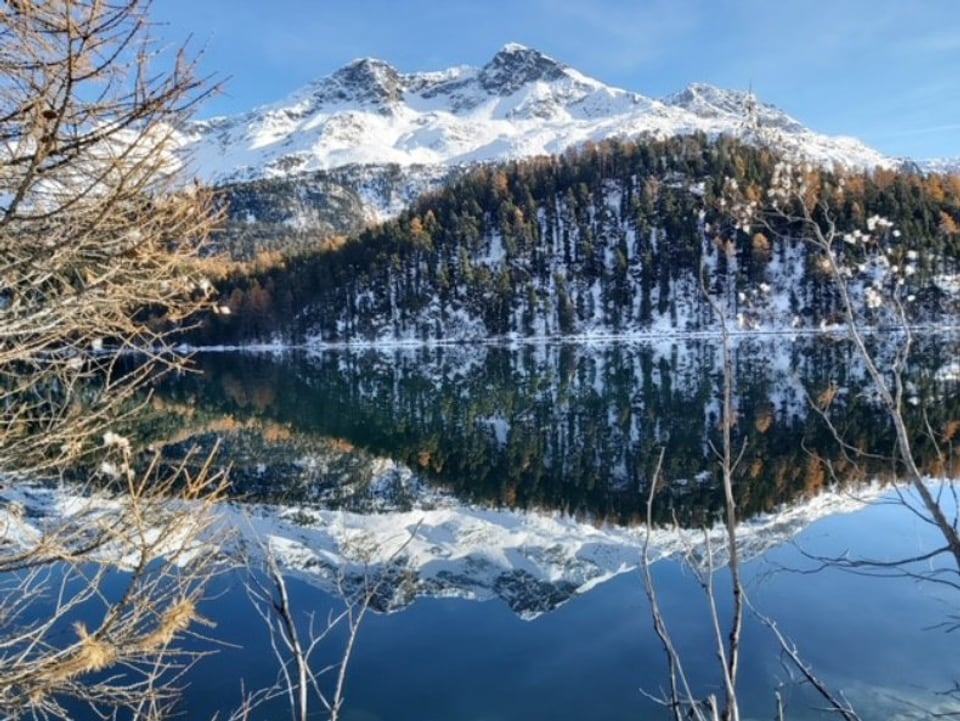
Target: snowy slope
[
  {"x": 520, "y": 104},
  {"x": 940, "y": 165}
]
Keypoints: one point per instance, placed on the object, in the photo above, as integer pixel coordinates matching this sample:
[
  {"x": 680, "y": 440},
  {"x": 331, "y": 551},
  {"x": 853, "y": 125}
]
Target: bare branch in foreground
[{"x": 295, "y": 651}]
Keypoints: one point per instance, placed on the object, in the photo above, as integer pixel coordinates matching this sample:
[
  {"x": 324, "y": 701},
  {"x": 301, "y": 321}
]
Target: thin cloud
[
  {"x": 635, "y": 33},
  {"x": 948, "y": 127}
]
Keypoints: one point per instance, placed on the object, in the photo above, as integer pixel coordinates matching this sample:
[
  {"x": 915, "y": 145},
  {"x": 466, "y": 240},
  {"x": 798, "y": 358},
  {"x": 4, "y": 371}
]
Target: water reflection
[
  {"x": 571, "y": 428},
  {"x": 455, "y": 659},
  {"x": 452, "y": 445}
]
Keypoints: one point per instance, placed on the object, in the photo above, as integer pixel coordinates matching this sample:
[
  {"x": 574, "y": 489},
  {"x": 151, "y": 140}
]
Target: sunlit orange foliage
[
  {"x": 815, "y": 476},
  {"x": 763, "y": 420},
  {"x": 950, "y": 431},
  {"x": 275, "y": 432},
  {"x": 826, "y": 398}
]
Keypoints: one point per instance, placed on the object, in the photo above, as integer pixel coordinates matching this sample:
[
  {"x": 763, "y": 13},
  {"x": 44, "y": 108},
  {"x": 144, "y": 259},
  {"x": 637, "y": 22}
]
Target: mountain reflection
[{"x": 574, "y": 428}]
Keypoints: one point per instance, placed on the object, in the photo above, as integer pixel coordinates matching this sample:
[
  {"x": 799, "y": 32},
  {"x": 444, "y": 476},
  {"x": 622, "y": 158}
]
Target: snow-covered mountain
[
  {"x": 520, "y": 104},
  {"x": 940, "y": 165}
]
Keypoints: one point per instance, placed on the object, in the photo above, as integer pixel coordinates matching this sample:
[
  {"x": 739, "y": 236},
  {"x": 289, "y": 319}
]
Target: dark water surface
[{"x": 574, "y": 432}]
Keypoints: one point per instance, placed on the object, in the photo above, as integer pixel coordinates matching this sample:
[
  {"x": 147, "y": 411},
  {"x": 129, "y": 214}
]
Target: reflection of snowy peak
[
  {"x": 522, "y": 103},
  {"x": 533, "y": 561}
]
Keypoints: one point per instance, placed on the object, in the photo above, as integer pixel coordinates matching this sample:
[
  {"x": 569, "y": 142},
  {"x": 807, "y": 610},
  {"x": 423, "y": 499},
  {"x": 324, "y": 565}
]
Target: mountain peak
[
  {"x": 521, "y": 103},
  {"x": 369, "y": 79},
  {"x": 511, "y": 48},
  {"x": 514, "y": 66},
  {"x": 742, "y": 106},
  {"x": 709, "y": 100}
]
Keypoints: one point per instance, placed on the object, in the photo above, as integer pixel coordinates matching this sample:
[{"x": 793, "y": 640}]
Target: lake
[{"x": 511, "y": 482}]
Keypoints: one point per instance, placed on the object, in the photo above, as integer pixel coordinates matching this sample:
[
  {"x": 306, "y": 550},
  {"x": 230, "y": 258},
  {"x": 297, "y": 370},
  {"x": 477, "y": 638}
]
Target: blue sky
[{"x": 886, "y": 71}]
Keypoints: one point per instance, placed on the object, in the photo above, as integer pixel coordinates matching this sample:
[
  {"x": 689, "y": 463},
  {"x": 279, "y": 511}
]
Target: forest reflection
[{"x": 573, "y": 428}]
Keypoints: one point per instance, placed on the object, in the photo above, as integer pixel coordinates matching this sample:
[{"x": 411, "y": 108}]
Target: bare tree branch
[{"x": 98, "y": 234}]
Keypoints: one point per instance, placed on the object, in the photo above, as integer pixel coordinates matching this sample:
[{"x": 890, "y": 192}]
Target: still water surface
[{"x": 573, "y": 432}]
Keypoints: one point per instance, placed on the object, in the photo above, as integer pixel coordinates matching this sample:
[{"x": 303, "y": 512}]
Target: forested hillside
[
  {"x": 610, "y": 238},
  {"x": 290, "y": 214}
]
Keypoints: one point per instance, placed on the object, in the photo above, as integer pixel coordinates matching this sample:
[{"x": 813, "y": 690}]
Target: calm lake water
[{"x": 523, "y": 472}]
